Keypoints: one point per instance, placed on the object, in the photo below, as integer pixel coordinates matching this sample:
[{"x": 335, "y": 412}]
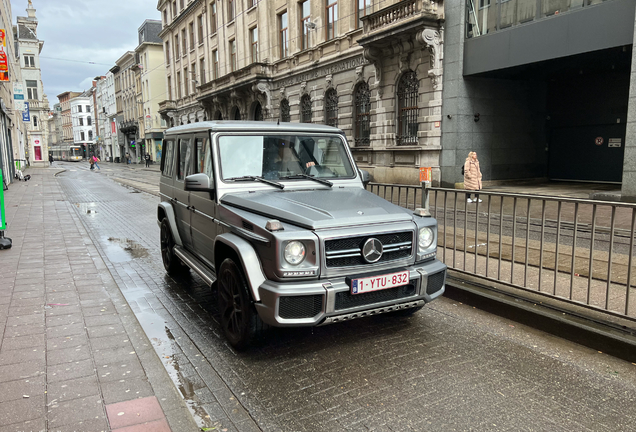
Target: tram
[{"x": 71, "y": 153}]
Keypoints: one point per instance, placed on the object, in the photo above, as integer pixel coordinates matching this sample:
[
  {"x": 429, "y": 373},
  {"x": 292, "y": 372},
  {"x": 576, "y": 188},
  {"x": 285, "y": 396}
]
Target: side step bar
[{"x": 195, "y": 264}]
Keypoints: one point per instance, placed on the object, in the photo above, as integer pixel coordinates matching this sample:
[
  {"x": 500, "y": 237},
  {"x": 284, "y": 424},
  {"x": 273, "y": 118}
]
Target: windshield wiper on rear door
[
  {"x": 308, "y": 177},
  {"x": 256, "y": 178}
]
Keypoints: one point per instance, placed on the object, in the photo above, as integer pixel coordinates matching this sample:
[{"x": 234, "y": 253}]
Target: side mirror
[
  {"x": 198, "y": 183},
  {"x": 365, "y": 176}
]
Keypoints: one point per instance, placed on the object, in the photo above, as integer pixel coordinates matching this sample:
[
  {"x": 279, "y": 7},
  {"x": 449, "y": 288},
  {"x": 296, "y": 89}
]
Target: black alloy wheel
[
  {"x": 171, "y": 263},
  {"x": 239, "y": 319}
]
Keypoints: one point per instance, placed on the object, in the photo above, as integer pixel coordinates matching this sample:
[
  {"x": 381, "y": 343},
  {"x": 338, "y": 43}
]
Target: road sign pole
[{"x": 5, "y": 242}]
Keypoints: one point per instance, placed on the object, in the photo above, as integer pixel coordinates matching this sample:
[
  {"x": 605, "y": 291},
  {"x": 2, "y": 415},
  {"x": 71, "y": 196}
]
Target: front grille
[
  {"x": 293, "y": 307},
  {"x": 347, "y": 252},
  {"x": 346, "y": 300},
  {"x": 435, "y": 283}
]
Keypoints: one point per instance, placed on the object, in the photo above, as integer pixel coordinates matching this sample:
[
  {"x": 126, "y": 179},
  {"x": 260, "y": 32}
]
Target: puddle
[
  {"x": 165, "y": 345},
  {"x": 121, "y": 250},
  {"x": 87, "y": 208}
]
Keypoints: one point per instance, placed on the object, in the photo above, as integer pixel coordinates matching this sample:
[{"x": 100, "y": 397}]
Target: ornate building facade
[{"x": 373, "y": 72}]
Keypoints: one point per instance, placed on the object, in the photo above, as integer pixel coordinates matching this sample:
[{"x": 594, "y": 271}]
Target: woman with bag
[{"x": 472, "y": 177}]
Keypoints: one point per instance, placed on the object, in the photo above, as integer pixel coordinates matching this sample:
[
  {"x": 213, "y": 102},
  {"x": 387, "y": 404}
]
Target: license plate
[{"x": 377, "y": 283}]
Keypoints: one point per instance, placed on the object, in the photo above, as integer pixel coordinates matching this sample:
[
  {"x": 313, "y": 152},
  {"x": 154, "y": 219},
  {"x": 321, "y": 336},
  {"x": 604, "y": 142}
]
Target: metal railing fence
[{"x": 577, "y": 250}]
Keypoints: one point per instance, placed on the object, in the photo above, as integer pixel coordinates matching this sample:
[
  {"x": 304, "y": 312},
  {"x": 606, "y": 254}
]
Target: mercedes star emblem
[{"x": 372, "y": 250}]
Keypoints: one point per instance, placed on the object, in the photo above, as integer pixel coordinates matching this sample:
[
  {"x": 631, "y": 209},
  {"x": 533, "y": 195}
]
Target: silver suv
[{"x": 277, "y": 217}]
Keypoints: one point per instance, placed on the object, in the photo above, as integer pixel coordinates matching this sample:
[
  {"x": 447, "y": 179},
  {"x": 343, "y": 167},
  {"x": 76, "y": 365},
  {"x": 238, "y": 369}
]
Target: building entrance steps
[{"x": 73, "y": 355}]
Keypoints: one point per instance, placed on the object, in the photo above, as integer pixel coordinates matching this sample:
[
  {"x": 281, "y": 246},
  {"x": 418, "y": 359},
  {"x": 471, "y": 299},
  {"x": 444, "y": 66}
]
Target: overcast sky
[{"x": 84, "y": 38}]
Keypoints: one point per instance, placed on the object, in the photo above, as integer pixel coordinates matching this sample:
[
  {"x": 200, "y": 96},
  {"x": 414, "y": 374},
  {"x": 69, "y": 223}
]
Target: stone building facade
[
  {"x": 373, "y": 72},
  {"x": 128, "y": 100}
]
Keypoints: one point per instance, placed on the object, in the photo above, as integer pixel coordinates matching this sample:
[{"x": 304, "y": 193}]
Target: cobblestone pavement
[
  {"x": 448, "y": 367},
  {"x": 72, "y": 355}
]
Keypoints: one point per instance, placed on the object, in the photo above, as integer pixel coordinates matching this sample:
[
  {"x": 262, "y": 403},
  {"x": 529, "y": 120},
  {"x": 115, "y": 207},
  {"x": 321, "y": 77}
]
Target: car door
[
  {"x": 203, "y": 204},
  {"x": 184, "y": 166}
]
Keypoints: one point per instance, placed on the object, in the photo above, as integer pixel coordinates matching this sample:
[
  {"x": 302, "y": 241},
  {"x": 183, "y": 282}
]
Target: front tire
[
  {"x": 171, "y": 262},
  {"x": 239, "y": 320}
]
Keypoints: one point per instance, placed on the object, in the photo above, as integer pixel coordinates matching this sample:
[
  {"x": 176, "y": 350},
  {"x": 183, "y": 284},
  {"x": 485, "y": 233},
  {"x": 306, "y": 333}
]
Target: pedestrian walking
[
  {"x": 51, "y": 159},
  {"x": 127, "y": 158},
  {"x": 95, "y": 160},
  {"x": 90, "y": 161},
  {"x": 147, "y": 158},
  {"x": 472, "y": 177}
]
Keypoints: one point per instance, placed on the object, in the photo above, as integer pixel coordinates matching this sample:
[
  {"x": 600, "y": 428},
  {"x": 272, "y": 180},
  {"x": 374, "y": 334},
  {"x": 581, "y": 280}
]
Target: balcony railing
[
  {"x": 391, "y": 14},
  {"x": 167, "y": 105}
]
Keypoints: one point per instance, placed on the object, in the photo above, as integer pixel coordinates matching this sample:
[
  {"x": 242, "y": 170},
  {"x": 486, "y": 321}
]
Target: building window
[
  {"x": 200, "y": 27},
  {"x": 35, "y": 121},
  {"x": 82, "y": 136},
  {"x": 29, "y": 61},
  {"x": 79, "y": 108},
  {"x": 186, "y": 81},
  {"x": 258, "y": 112},
  {"x": 81, "y": 121},
  {"x": 89, "y": 121},
  {"x": 212, "y": 17},
  {"x": 215, "y": 64},
  {"x": 174, "y": 9},
  {"x": 179, "y": 85},
  {"x": 232, "y": 55},
  {"x": 364, "y": 9},
  {"x": 169, "y": 88},
  {"x": 254, "y": 40},
  {"x": 193, "y": 78},
  {"x": 202, "y": 70},
  {"x": 331, "y": 108},
  {"x": 88, "y": 108},
  {"x": 192, "y": 41},
  {"x": 176, "y": 47},
  {"x": 167, "y": 53},
  {"x": 305, "y": 109},
  {"x": 165, "y": 17},
  {"x": 181, "y": 5},
  {"x": 332, "y": 19},
  {"x": 32, "y": 89},
  {"x": 305, "y": 16},
  {"x": 363, "y": 114},
  {"x": 284, "y": 111},
  {"x": 407, "y": 93},
  {"x": 90, "y": 135},
  {"x": 184, "y": 42},
  {"x": 282, "y": 40},
  {"x": 230, "y": 10}
]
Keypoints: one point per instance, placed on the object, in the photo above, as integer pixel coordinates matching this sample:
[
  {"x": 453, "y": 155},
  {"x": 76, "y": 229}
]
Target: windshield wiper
[
  {"x": 256, "y": 178},
  {"x": 308, "y": 177}
]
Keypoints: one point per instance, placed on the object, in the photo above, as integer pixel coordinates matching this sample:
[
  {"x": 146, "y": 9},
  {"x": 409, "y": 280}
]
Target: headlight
[
  {"x": 294, "y": 252},
  {"x": 425, "y": 239}
]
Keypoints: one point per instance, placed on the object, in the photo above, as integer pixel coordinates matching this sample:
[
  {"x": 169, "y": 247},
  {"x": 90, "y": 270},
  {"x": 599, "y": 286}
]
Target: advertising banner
[
  {"x": 3, "y": 222},
  {"x": 18, "y": 96},
  {"x": 4, "y": 65},
  {"x": 26, "y": 115}
]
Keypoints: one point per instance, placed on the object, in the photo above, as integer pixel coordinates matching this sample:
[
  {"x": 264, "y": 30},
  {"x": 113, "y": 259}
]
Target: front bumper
[{"x": 325, "y": 301}]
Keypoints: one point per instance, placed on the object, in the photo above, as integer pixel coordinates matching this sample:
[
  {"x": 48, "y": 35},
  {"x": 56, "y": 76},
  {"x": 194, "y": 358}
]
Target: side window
[
  {"x": 204, "y": 157},
  {"x": 185, "y": 159},
  {"x": 168, "y": 157}
]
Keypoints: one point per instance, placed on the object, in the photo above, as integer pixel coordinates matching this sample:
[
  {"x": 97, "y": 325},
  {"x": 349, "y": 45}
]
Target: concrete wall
[
  {"x": 628, "y": 190},
  {"x": 509, "y": 137}
]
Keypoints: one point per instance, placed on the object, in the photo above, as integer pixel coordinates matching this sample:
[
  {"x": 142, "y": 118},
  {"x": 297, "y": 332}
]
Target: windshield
[
  {"x": 276, "y": 157},
  {"x": 76, "y": 151}
]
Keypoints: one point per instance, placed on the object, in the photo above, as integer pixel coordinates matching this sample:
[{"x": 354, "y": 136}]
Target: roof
[{"x": 252, "y": 126}]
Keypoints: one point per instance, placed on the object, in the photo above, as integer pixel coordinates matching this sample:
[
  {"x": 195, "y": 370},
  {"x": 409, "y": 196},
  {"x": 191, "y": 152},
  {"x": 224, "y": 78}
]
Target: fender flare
[
  {"x": 250, "y": 262},
  {"x": 168, "y": 210}
]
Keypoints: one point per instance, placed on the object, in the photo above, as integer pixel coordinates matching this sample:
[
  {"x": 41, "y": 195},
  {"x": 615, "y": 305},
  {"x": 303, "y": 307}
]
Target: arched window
[
  {"x": 258, "y": 112},
  {"x": 305, "y": 109},
  {"x": 218, "y": 116},
  {"x": 236, "y": 113},
  {"x": 407, "y": 108},
  {"x": 35, "y": 121},
  {"x": 331, "y": 108},
  {"x": 363, "y": 114},
  {"x": 284, "y": 111}
]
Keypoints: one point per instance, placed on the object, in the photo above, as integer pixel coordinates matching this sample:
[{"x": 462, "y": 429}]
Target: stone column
[{"x": 628, "y": 189}]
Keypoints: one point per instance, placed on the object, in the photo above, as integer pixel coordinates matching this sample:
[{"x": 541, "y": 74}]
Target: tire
[
  {"x": 239, "y": 320},
  {"x": 406, "y": 312},
  {"x": 171, "y": 262}
]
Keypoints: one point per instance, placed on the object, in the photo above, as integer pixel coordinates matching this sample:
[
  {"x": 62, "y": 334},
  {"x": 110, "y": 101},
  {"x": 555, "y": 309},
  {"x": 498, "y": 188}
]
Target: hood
[{"x": 319, "y": 209}]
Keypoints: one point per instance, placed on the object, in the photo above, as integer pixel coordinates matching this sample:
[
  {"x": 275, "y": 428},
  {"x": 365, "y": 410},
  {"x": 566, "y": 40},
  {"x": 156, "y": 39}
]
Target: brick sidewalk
[{"x": 73, "y": 357}]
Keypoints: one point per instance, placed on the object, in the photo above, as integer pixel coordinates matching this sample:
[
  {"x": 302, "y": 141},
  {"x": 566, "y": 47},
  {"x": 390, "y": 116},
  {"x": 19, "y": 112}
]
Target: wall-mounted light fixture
[{"x": 476, "y": 117}]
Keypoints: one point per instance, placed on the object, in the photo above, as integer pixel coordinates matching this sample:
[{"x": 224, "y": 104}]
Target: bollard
[{"x": 425, "y": 187}]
